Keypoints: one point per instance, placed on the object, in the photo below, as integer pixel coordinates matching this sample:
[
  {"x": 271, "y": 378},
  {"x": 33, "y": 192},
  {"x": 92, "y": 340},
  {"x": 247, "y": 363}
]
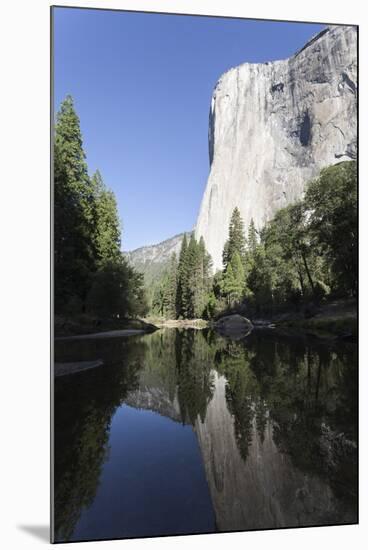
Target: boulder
[{"x": 234, "y": 326}]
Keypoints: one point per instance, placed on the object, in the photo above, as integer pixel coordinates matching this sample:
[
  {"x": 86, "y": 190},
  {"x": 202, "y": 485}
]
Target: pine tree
[
  {"x": 207, "y": 265},
  {"x": 194, "y": 288},
  {"x": 75, "y": 256},
  {"x": 170, "y": 289},
  {"x": 228, "y": 283},
  {"x": 193, "y": 279},
  {"x": 252, "y": 237},
  {"x": 106, "y": 222},
  {"x": 233, "y": 280},
  {"x": 208, "y": 297},
  {"x": 91, "y": 273},
  {"x": 158, "y": 299},
  {"x": 236, "y": 241},
  {"x": 182, "y": 277}
]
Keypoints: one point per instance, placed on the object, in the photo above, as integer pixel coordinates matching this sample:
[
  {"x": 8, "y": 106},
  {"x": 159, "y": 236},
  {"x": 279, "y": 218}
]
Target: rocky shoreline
[{"x": 85, "y": 325}]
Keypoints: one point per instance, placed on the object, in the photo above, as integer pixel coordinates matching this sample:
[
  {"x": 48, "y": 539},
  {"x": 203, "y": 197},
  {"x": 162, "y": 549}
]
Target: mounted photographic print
[{"x": 205, "y": 274}]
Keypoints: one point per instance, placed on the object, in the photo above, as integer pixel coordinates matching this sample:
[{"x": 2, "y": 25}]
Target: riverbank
[
  {"x": 178, "y": 323},
  {"x": 83, "y": 325},
  {"x": 107, "y": 334},
  {"x": 336, "y": 319}
]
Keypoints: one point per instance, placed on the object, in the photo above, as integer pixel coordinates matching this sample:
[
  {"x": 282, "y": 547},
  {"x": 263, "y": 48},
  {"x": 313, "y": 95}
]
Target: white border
[{"x": 24, "y": 231}]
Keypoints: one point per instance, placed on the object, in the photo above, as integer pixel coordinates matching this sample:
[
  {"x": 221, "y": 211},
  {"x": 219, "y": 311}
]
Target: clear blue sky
[{"x": 142, "y": 85}]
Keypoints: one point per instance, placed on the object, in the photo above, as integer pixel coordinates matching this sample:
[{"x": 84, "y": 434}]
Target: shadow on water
[{"x": 182, "y": 431}]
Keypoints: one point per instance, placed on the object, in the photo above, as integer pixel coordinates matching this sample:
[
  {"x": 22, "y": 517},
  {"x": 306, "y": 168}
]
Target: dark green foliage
[
  {"x": 83, "y": 412},
  {"x": 252, "y": 237},
  {"x": 185, "y": 290},
  {"x": 197, "y": 282},
  {"x": 107, "y": 224},
  {"x": 194, "y": 361},
  {"x": 90, "y": 272},
  {"x": 233, "y": 280},
  {"x": 164, "y": 297},
  {"x": 231, "y": 286},
  {"x": 239, "y": 389},
  {"x": 194, "y": 291},
  {"x": 236, "y": 241},
  {"x": 260, "y": 280},
  {"x": 73, "y": 208},
  {"x": 171, "y": 288},
  {"x": 117, "y": 291},
  {"x": 333, "y": 203},
  {"x": 307, "y": 252},
  {"x": 182, "y": 279},
  {"x": 289, "y": 397}
]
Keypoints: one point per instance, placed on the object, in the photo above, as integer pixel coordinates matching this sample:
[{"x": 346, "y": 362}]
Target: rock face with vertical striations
[{"x": 273, "y": 126}]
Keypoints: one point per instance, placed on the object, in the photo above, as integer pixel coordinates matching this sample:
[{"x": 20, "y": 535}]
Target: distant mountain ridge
[{"x": 152, "y": 260}]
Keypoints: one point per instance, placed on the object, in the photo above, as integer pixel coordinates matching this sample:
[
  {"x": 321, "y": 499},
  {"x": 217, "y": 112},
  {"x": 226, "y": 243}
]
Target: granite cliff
[{"x": 273, "y": 126}]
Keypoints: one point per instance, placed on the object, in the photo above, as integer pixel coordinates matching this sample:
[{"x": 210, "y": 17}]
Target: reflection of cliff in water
[
  {"x": 275, "y": 419},
  {"x": 266, "y": 490},
  {"x": 176, "y": 380}
]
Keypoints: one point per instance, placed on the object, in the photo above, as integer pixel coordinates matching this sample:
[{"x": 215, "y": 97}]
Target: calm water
[{"x": 182, "y": 431}]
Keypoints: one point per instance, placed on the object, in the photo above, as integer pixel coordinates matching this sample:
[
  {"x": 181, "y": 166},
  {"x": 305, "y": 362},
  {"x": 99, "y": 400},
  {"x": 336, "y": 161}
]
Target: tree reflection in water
[
  {"x": 287, "y": 403},
  {"x": 84, "y": 405},
  {"x": 306, "y": 391}
]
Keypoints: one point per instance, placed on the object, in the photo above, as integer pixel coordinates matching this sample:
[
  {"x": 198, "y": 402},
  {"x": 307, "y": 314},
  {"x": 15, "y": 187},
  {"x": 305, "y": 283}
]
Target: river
[{"x": 183, "y": 431}]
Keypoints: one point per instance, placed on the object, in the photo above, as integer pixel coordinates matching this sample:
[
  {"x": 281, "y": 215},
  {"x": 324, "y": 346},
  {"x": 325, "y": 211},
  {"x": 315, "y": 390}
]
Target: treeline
[
  {"x": 306, "y": 254},
  {"x": 184, "y": 291},
  {"x": 90, "y": 273}
]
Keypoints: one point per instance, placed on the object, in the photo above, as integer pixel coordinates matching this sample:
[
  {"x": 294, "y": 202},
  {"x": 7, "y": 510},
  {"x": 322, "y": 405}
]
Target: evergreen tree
[
  {"x": 170, "y": 289},
  {"x": 238, "y": 271},
  {"x": 233, "y": 280},
  {"x": 252, "y": 238},
  {"x": 106, "y": 222},
  {"x": 182, "y": 278},
  {"x": 207, "y": 265},
  {"x": 228, "y": 283},
  {"x": 333, "y": 227},
  {"x": 208, "y": 301},
  {"x": 194, "y": 289},
  {"x": 158, "y": 299},
  {"x": 236, "y": 241},
  {"x": 75, "y": 256},
  {"x": 90, "y": 271},
  {"x": 261, "y": 279},
  {"x": 194, "y": 286}
]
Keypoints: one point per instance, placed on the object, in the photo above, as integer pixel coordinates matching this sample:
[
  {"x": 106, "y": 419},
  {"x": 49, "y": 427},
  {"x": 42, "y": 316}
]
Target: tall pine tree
[
  {"x": 236, "y": 241},
  {"x": 106, "y": 222},
  {"x": 252, "y": 237},
  {"x": 170, "y": 289},
  {"x": 75, "y": 256},
  {"x": 91, "y": 274},
  {"x": 194, "y": 288},
  {"x": 233, "y": 283},
  {"x": 182, "y": 278}
]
